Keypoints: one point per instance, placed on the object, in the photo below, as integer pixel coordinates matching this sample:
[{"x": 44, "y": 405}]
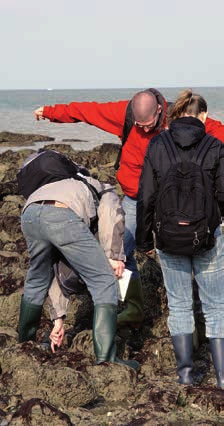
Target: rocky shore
[{"x": 67, "y": 388}]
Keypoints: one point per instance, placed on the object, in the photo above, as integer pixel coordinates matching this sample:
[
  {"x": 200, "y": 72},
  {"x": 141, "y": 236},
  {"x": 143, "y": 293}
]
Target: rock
[
  {"x": 114, "y": 382},
  {"x": 39, "y": 412},
  {"x": 16, "y": 139},
  {"x": 30, "y": 377},
  {"x": 9, "y": 308},
  {"x": 8, "y": 337}
]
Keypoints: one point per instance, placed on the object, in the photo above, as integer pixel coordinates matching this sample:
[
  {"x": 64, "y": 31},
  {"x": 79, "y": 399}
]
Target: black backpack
[
  {"x": 47, "y": 166},
  {"x": 186, "y": 210},
  {"x": 50, "y": 166}
]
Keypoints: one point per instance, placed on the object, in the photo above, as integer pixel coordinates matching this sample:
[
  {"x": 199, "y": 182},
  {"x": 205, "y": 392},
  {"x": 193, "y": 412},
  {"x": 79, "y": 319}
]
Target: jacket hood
[{"x": 187, "y": 131}]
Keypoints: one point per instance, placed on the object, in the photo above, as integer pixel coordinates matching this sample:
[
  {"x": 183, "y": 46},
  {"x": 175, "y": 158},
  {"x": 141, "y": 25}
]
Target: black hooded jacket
[{"x": 187, "y": 132}]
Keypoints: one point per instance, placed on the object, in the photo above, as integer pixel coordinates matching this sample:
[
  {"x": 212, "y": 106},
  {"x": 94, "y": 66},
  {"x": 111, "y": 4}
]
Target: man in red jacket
[{"x": 148, "y": 115}]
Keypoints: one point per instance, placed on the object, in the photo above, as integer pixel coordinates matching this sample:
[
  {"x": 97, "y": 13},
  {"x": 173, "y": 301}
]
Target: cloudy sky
[{"x": 71, "y": 44}]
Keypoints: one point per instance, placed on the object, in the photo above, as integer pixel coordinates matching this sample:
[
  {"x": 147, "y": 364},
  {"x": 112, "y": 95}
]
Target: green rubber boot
[
  {"x": 134, "y": 313},
  {"x": 104, "y": 331},
  {"x": 29, "y": 320}
]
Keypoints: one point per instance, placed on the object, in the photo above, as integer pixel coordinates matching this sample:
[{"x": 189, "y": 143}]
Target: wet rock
[
  {"x": 32, "y": 378},
  {"x": 36, "y": 411},
  {"x": 8, "y": 337},
  {"x": 113, "y": 381},
  {"x": 9, "y": 308}
]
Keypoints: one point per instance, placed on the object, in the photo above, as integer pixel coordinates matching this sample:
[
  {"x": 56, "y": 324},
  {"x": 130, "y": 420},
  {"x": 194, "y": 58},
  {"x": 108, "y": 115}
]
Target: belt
[{"x": 52, "y": 203}]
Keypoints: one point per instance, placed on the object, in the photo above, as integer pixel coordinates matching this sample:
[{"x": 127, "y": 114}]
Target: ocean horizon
[{"x": 17, "y": 112}]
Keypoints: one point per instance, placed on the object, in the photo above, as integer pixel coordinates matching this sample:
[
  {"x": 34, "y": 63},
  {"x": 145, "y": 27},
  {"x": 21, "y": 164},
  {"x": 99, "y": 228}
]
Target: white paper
[{"x": 123, "y": 284}]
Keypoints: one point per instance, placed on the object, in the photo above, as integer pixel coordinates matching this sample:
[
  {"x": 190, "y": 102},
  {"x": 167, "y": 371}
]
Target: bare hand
[
  {"x": 39, "y": 113},
  {"x": 57, "y": 334},
  {"x": 118, "y": 267}
]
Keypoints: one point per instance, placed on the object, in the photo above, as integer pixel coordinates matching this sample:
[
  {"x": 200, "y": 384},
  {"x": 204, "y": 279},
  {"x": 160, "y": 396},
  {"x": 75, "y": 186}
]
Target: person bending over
[{"x": 57, "y": 218}]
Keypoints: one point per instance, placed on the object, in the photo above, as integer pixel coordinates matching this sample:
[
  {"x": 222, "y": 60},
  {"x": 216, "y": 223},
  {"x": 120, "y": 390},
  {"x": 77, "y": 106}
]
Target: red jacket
[{"x": 110, "y": 117}]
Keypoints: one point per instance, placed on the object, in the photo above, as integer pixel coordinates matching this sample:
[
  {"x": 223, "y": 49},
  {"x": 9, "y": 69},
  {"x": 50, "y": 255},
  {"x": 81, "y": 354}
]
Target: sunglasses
[{"x": 149, "y": 125}]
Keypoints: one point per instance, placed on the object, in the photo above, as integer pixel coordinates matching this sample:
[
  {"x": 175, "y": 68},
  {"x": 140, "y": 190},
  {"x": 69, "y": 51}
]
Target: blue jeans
[
  {"x": 129, "y": 206},
  {"x": 46, "y": 227},
  {"x": 208, "y": 270}
]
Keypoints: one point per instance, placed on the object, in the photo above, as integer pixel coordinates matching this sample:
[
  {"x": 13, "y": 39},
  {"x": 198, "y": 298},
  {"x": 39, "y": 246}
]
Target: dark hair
[{"x": 187, "y": 103}]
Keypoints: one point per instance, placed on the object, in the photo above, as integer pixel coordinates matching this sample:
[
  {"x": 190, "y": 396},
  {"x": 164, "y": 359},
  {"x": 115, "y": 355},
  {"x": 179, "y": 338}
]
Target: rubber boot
[
  {"x": 183, "y": 348},
  {"x": 134, "y": 313},
  {"x": 29, "y": 320},
  {"x": 104, "y": 331},
  {"x": 217, "y": 350}
]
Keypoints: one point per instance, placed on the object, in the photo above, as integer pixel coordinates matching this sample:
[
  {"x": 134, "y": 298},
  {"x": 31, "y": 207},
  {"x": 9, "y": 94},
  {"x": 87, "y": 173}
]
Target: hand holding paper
[{"x": 123, "y": 284}]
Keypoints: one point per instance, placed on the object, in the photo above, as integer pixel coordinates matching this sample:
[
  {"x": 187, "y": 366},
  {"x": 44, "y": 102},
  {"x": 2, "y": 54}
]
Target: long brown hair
[{"x": 188, "y": 103}]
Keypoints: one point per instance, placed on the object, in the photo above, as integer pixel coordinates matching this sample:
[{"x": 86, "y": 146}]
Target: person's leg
[
  {"x": 177, "y": 272},
  {"x": 209, "y": 273},
  {"x": 134, "y": 312},
  {"x": 39, "y": 275}
]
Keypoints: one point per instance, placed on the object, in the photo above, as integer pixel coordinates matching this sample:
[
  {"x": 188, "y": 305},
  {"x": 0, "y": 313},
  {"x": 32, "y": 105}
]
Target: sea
[{"x": 17, "y": 112}]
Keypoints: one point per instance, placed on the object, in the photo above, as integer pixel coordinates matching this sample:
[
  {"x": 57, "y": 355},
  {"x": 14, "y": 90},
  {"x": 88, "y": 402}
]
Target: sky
[{"x": 71, "y": 44}]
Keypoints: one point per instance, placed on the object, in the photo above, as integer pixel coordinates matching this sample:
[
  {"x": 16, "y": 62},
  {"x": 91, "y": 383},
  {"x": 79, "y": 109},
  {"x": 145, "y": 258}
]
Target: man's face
[{"x": 151, "y": 123}]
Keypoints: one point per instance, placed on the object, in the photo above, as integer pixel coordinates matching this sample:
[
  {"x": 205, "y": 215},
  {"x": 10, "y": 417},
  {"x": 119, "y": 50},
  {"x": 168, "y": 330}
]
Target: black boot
[
  {"x": 183, "y": 348},
  {"x": 217, "y": 350},
  {"x": 104, "y": 331},
  {"x": 29, "y": 320}
]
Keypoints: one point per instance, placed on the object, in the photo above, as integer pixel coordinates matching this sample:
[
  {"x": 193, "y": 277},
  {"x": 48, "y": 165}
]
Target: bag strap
[
  {"x": 170, "y": 147},
  {"x": 128, "y": 124},
  {"x": 96, "y": 195},
  {"x": 202, "y": 149}
]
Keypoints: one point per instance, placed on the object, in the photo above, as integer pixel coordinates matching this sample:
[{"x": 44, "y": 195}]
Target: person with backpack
[
  {"x": 135, "y": 122},
  {"x": 56, "y": 220},
  {"x": 179, "y": 209}
]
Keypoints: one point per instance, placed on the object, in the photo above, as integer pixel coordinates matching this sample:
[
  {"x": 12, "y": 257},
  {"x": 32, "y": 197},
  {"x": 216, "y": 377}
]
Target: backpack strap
[
  {"x": 170, "y": 147},
  {"x": 96, "y": 198},
  {"x": 104, "y": 191},
  {"x": 96, "y": 195},
  {"x": 203, "y": 148},
  {"x": 128, "y": 124}
]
